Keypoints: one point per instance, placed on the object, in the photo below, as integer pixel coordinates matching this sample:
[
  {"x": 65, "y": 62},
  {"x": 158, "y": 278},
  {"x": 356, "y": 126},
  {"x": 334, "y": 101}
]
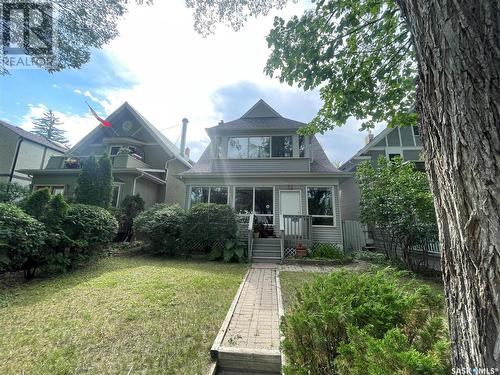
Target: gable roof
[
  {"x": 34, "y": 137},
  {"x": 162, "y": 140},
  {"x": 260, "y": 116},
  {"x": 366, "y": 147}
]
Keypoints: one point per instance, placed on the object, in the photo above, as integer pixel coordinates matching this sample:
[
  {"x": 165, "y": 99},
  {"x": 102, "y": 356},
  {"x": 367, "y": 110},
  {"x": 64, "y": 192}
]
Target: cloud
[{"x": 76, "y": 126}]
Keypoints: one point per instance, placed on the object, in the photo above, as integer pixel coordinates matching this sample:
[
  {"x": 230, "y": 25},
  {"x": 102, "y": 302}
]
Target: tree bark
[{"x": 457, "y": 44}]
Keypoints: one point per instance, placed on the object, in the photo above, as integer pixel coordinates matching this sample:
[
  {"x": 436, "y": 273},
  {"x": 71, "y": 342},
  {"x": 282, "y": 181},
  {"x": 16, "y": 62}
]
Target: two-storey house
[
  {"x": 144, "y": 161},
  {"x": 282, "y": 184},
  {"x": 20, "y": 149}
]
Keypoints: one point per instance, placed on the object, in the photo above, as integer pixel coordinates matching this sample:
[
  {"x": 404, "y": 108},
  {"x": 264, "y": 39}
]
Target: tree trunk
[{"x": 457, "y": 43}]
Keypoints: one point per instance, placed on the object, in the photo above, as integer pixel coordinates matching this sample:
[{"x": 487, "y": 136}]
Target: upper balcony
[{"x": 122, "y": 161}]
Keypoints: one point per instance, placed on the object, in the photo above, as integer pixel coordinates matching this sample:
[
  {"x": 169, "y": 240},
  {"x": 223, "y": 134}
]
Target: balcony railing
[
  {"x": 76, "y": 162},
  {"x": 295, "y": 230}
]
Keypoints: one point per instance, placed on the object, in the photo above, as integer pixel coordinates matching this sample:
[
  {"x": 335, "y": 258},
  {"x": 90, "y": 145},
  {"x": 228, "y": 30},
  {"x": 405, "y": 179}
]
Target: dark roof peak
[{"x": 261, "y": 110}]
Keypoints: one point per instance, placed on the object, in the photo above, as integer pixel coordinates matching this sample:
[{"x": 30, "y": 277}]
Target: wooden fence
[{"x": 354, "y": 235}]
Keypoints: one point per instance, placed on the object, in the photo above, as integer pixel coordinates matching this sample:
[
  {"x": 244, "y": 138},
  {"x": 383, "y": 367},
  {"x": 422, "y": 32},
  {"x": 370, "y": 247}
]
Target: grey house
[
  {"x": 21, "y": 149},
  {"x": 403, "y": 142},
  {"x": 282, "y": 185},
  {"x": 144, "y": 161}
]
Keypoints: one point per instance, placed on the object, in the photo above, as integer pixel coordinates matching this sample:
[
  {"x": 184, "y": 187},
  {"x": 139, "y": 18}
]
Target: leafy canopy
[{"x": 358, "y": 53}]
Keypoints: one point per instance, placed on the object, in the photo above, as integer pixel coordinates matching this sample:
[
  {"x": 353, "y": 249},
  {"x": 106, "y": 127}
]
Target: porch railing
[
  {"x": 295, "y": 230},
  {"x": 250, "y": 236}
]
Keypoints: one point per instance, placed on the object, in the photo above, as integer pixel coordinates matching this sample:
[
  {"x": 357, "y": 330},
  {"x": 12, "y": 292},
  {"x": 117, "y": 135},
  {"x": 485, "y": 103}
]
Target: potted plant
[
  {"x": 300, "y": 250},
  {"x": 256, "y": 231}
]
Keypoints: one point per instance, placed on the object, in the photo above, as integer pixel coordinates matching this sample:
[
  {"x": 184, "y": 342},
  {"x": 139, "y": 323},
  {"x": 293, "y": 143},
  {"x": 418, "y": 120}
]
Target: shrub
[
  {"x": 89, "y": 227},
  {"x": 232, "y": 251},
  {"x": 340, "y": 316},
  {"x": 131, "y": 206},
  {"x": 11, "y": 192},
  {"x": 372, "y": 257},
  {"x": 161, "y": 226},
  {"x": 208, "y": 225},
  {"x": 95, "y": 182},
  {"x": 36, "y": 204},
  {"x": 23, "y": 240},
  {"x": 327, "y": 251}
]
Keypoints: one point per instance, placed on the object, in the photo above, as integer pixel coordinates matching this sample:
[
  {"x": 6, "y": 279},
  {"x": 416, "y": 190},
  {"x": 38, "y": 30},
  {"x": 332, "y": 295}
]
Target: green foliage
[
  {"x": 162, "y": 226},
  {"x": 89, "y": 228},
  {"x": 36, "y": 204},
  {"x": 358, "y": 53},
  {"x": 130, "y": 207},
  {"x": 371, "y": 256},
  {"x": 56, "y": 211},
  {"x": 339, "y": 317},
  {"x": 327, "y": 251},
  {"x": 209, "y": 224},
  {"x": 23, "y": 241},
  {"x": 12, "y": 192},
  {"x": 95, "y": 182},
  {"x": 47, "y": 127},
  {"x": 232, "y": 251},
  {"x": 396, "y": 199}
]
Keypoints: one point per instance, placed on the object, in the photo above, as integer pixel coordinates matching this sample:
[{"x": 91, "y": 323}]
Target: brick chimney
[{"x": 185, "y": 122}]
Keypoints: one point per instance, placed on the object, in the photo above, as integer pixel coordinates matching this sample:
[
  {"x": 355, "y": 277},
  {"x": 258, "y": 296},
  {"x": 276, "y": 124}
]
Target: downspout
[
  {"x": 135, "y": 181},
  {"x": 18, "y": 147}
]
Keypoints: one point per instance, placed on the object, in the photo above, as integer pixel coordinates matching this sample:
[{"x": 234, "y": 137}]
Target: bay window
[
  {"x": 208, "y": 194},
  {"x": 320, "y": 205},
  {"x": 256, "y": 200}
]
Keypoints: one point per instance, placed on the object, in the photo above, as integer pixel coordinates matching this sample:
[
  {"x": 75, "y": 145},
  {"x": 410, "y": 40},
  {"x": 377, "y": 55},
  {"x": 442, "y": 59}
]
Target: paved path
[{"x": 255, "y": 321}]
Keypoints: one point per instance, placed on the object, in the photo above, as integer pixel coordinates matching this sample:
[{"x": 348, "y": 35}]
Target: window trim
[
  {"x": 119, "y": 185},
  {"x": 334, "y": 208},
  {"x": 209, "y": 187},
  {"x": 253, "y": 187},
  {"x": 51, "y": 188},
  {"x": 270, "y": 147}
]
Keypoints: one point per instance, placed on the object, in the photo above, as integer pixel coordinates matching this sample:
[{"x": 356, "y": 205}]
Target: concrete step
[
  {"x": 272, "y": 248},
  {"x": 266, "y": 259},
  {"x": 266, "y": 251}
]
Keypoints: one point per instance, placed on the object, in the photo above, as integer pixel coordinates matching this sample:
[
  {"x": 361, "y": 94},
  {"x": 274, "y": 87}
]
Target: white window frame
[
  {"x": 119, "y": 186},
  {"x": 51, "y": 188},
  {"x": 334, "y": 208},
  {"x": 209, "y": 187},
  {"x": 270, "y": 147},
  {"x": 253, "y": 200}
]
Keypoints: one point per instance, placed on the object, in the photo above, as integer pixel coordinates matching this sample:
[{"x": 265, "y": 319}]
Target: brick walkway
[{"x": 255, "y": 322}]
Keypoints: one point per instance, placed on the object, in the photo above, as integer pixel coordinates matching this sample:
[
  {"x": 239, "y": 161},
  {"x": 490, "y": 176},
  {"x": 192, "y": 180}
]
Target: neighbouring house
[
  {"x": 20, "y": 149},
  {"x": 282, "y": 185},
  {"x": 144, "y": 160},
  {"x": 404, "y": 142}
]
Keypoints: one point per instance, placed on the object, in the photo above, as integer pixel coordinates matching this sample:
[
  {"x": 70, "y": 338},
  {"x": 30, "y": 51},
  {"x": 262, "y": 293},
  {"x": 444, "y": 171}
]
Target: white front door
[{"x": 290, "y": 205}]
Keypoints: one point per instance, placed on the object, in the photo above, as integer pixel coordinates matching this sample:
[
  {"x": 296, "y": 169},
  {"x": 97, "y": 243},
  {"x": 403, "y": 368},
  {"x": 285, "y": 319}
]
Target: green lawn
[{"x": 121, "y": 315}]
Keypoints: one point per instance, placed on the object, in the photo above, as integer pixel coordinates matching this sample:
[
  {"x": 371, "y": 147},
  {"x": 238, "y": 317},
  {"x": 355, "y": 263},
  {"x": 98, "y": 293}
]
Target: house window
[
  {"x": 204, "y": 194},
  {"x": 320, "y": 205},
  {"x": 258, "y": 147},
  {"x": 393, "y": 156},
  {"x": 53, "y": 189},
  {"x": 115, "y": 196},
  {"x": 258, "y": 200},
  {"x": 237, "y": 148},
  {"x": 416, "y": 130},
  {"x": 302, "y": 146},
  {"x": 282, "y": 146}
]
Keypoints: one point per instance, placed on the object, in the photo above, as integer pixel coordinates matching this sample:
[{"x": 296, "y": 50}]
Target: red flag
[{"x": 102, "y": 121}]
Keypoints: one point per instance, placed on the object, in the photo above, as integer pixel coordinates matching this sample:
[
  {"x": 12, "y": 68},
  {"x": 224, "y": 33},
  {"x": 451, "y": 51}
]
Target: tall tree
[
  {"x": 403, "y": 61},
  {"x": 104, "y": 180},
  {"x": 95, "y": 182},
  {"x": 48, "y": 125}
]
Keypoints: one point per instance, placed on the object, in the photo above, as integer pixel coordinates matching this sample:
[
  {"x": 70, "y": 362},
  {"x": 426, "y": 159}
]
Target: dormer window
[
  {"x": 282, "y": 146},
  {"x": 261, "y": 147}
]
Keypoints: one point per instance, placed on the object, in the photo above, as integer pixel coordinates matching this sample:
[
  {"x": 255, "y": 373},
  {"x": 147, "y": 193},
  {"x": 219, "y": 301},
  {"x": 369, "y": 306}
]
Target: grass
[{"x": 121, "y": 315}]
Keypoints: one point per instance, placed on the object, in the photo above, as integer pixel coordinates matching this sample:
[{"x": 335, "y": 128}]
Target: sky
[{"x": 167, "y": 71}]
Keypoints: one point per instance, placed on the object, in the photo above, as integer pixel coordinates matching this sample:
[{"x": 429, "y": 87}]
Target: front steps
[{"x": 266, "y": 250}]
